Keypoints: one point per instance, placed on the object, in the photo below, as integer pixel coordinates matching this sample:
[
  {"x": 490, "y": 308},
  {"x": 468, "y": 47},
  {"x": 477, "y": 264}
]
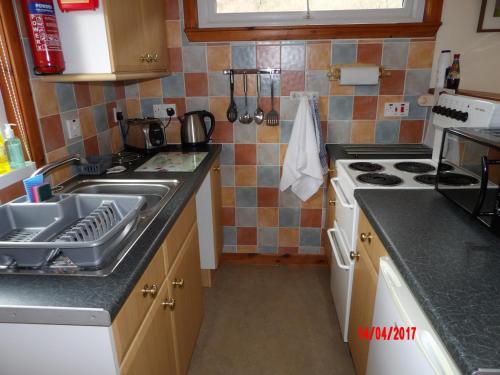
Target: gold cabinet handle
[
  {"x": 332, "y": 170},
  {"x": 354, "y": 255},
  {"x": 143, "y": 58},
  {"x": 178, "y": 283},
  {"x": 216, "y": 169},
  {"x": 151, "y": 290},
  {"x": 331, "y": 202},
  {"x": 155, "y": 57},
  {"x": 366, "y": 237},
  {"x": 169, "y": 302}
]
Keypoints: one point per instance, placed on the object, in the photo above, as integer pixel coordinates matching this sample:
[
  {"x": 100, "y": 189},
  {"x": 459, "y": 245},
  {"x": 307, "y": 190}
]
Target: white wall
[
  {"x": 3, "y": 115},
  {"x": 480, "y": 52}
]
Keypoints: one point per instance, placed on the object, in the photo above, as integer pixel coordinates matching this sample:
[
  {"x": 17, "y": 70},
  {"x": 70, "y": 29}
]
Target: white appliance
[
  {"x": 454, "y": 110},
  {"x": 421, "y": 353}
]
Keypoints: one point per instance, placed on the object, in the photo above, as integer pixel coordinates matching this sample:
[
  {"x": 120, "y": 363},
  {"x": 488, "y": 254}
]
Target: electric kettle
[{"x": 194, "y": 130}]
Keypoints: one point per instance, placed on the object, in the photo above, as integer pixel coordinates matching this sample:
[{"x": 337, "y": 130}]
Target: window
[
  {"x": 3, "y": 114},
  {"x": 250, "y": 13}
]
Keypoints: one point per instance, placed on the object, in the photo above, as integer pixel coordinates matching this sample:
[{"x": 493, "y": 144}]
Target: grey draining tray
[{"x": 84, "y": 227}]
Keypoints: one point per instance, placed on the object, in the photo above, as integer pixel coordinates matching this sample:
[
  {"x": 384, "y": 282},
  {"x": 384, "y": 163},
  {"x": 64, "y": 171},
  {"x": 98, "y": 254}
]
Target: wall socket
[
  {"x": 396, "y": 109},
  {"x": 160, "y": 110},
  {"x": 73, "y": 129}
]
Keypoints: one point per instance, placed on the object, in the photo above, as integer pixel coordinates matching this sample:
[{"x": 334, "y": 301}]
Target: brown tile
[
  {"x": 196, "y": 84},
  {"x": 174, "y": 39},
  {"x": 316, "y": 201},
  {"x": 174, "y": 132},
  {"x": 180, "y": 105},
  {"x": 133, "y": 108},
  {"x": 318, "y": 56},
  {"x": 283, "y": 148},
  {"x": 363, "y": 131},
  {"x": 45, "y": 98},
  {"x": 109, "y": 114},
  {"x": 150, "y": 89},
  {"x": 82, "y": 94},
  {"x": 268, "y": 56},
  {"x": 91, "y": 146},
  {"x": 267, "y": 216},
  {"x": 175, "y": 59},
  {"x": 87, "y": 124},
  {"x": 292, "y": 81},
  {"x": 223, "y": 132},
  {"x": 341, "y": 90},
  {"x": 96, "y": 93},
  {"x": 227, "y": 196},
  {"x": 11, "y": 192},
  {"x": 246, "y": 236},
  {"x": 228, "y": 216},
  {"x": 382, "y": 99},
  {"x": 245, "y": 175},
  {"x": 245, "y": 154},
  {"x": 218, "y": 58},
  {"x": 393, "y": 84},
  {"x": 239, "y": 89},
  {"x": 52, "y": 133},
  {"x": 172, "y": 12},
  {"x": 288, "y": 250},
  {"x": 267, "y": 197},
  {"x": 365, "y": 108},
  {"x": 265, "y": 103},
  {"x": 369, "y": 53},
  {"x": 411, "y": 131},
  {"x": 420, "y": 55},
  {"x": 310, "y": 218},
  {"x": 288, "y": 237},
  {"x": 268, "y": 134},
  {"x": 120, "y": 90},
  {"x": 323, "y": 108},
  {"x": 218, "y": 107},
  {"x": 61, "y": 174},
  {"x": 116, "y": 140},
  {"x": 248, "y": 249}
]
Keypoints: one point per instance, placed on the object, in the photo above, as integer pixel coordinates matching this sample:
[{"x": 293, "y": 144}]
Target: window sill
[{"x": 17, "y": 175}]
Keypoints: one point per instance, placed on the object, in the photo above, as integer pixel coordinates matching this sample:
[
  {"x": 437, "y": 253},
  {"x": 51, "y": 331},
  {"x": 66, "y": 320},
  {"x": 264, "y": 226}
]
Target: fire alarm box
[{"x": 74, "y": 5}]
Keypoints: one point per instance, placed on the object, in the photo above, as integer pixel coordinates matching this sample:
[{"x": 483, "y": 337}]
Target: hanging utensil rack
[{"x": 252, "y": 71}]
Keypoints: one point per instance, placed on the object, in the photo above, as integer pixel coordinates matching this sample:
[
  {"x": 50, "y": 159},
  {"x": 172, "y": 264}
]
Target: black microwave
[{"x": 469, "y": 172}]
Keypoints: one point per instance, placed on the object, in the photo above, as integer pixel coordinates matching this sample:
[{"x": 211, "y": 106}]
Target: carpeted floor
[{"x": 269, "y": 320}]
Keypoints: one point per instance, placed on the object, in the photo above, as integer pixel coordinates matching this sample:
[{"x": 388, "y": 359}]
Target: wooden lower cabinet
[
  {"x": 364, "y": 289},
  {"x": 184, "y": 283},
  {"x": 152, "y": 351}
]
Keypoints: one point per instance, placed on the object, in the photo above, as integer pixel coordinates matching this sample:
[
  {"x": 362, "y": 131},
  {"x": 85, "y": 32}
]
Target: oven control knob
[
  {"x": 454, "y": 114},
  {"x": 463, "y": 116},
  {"x": 446, "y": 112},
  {"x": 435, "y": 109}
]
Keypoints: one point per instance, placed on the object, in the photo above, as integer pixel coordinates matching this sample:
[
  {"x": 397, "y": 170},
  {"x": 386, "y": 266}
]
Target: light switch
[
  {"x": 73, "y": 129},
  {"x": 396, "y": 109}
]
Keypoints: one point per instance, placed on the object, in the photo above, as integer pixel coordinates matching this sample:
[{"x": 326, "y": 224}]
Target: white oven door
[
  {"x": 341, "y": 275},
  {"x": 345, "y": 212}
]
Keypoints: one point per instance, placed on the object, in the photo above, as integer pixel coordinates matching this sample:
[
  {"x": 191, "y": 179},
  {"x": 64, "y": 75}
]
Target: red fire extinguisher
[{"x": 44, "y": 38}]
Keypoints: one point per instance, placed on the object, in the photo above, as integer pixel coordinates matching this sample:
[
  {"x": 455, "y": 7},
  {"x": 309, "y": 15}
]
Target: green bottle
[{"x": 13, "y": 147}]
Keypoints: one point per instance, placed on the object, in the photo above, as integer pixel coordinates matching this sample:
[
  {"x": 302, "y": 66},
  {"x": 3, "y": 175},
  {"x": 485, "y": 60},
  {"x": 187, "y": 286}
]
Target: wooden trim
[
  {"x": 427, "y": 28},
  {"x": 100, "y": 77},
  {"x": 260, "y": 259},
  {"x": 18, "y": 72}
]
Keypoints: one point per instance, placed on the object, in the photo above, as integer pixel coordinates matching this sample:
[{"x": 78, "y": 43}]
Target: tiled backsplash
[{"x": 257, "y": 217}]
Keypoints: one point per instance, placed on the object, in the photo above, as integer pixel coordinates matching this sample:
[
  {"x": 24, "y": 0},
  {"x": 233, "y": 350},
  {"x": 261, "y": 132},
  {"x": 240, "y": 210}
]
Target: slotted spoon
[{"x": 272, "y": 117}]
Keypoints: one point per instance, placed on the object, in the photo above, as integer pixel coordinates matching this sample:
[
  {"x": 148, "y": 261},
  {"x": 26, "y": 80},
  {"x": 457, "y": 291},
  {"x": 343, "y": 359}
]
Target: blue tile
[
  {"x": 289, "y": 199},
  {"x": 246, "y": 216},
  {"x": 289, "y": 217},
  {"x": 316, "y": 82},
  {"x": 218, "y": 84},
  {"x": 76, "y": 148},
  {"x": 268, "y": 154},
  {"x": 344, "y": 53},
  {"x": 293, "y": 56},
  {"x": 267, "y": 249},
  {"x": 387, "y": 131},
  {"x": 246, "y": 197},
  {"x": 285, "y": 131},
  {"x": 65, "y": 97},
  {"x": 416, "y": 111},
  {"x": 147, "y": 106},
  {"x": 268, "y": 176},
  {"x": 194, "y": 58},
  {"x": 340, "y": 108},
  {"x": 197, "y": 103},
  {"x": 243, "y": 56},
  {"x": 229, "y": 234},
  {"x": 240, "y": 104},
  {"x": 309, "y": 250},
  {"x": 288, "y": 108},
  {"x": 267, "y": 237},
  {"x": 227, "y": 175},
  {"x": 366, "y": 90},
  {"x": 417, "y": 82},
  {"x": 227, "y": 154},
  {"x": 132, "y": 90},
  {"x": 339, "y": 131},
  {"x": 109, "y": 92},
  {"x": 100, "y": 117},
  {"x": 104, "y": 142},
  {"x": 265, "y": 88},
  {"x": 310, "y": 237},
  {"x": 395, "y": 55},
  {"x": 229, "y": 249},
  {"x": 173, "y": 86},
  {"x": 245, "y": 133}
]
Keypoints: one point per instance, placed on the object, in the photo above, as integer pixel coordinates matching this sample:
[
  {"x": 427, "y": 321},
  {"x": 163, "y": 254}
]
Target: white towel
[{"x": 302, "y": 167}]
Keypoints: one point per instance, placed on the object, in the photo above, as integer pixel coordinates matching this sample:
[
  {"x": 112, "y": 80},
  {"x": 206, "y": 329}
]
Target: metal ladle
[
  {"x": 245, "y": 118},
  {"x": 258, "y": 116}
]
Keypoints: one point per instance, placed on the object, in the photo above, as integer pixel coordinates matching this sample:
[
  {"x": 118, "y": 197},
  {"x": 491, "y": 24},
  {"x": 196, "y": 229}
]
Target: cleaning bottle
[
  {"x": 4, "y": 161},
  {"x": 14, "y": 147}
]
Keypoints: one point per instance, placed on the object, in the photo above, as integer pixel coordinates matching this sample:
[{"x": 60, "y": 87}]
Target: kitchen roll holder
[{"x": 335, "y": 71}]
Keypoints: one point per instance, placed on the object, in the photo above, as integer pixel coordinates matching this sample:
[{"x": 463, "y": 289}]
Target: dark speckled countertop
[
  {"x": 450, "y": 262},
  {"x": 89, "y": 300}
]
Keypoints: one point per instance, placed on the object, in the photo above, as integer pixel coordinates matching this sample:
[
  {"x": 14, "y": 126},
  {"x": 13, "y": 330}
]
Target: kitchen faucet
[{"x": 49, "y": 167}]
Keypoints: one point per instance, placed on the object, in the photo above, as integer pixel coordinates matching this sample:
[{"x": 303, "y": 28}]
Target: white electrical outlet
[
  {"x": 160, "y": 110},
  {"x": 73, "y": 129},
  {"x": 396, "y": 109},
  {"x": 115, "y": 110}
]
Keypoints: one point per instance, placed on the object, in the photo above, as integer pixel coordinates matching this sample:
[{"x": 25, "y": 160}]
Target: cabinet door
[
  {"x": 155, "y": 33},
  {"x": 188, "y": 312},
  {"x": 362, "y": 303},
  {"x": 125, "y": 35},
  {"x": 330, "y": 209},
  {"x": 152, "y": 351},
  {"x": 216, "y": 210}
]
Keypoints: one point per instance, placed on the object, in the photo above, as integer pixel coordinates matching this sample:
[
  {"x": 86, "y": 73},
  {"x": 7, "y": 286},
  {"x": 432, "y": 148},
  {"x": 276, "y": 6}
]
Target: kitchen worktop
[
  {"x": 92, "y": 300},
  {"x": 451, "y": 264}
]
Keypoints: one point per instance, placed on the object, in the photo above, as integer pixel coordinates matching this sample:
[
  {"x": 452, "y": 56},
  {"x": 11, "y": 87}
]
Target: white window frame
[{"x": 412, "y": 12}]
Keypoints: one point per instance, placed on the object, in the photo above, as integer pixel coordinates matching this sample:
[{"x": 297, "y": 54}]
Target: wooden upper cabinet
[{"x": 155, "y": 34}]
